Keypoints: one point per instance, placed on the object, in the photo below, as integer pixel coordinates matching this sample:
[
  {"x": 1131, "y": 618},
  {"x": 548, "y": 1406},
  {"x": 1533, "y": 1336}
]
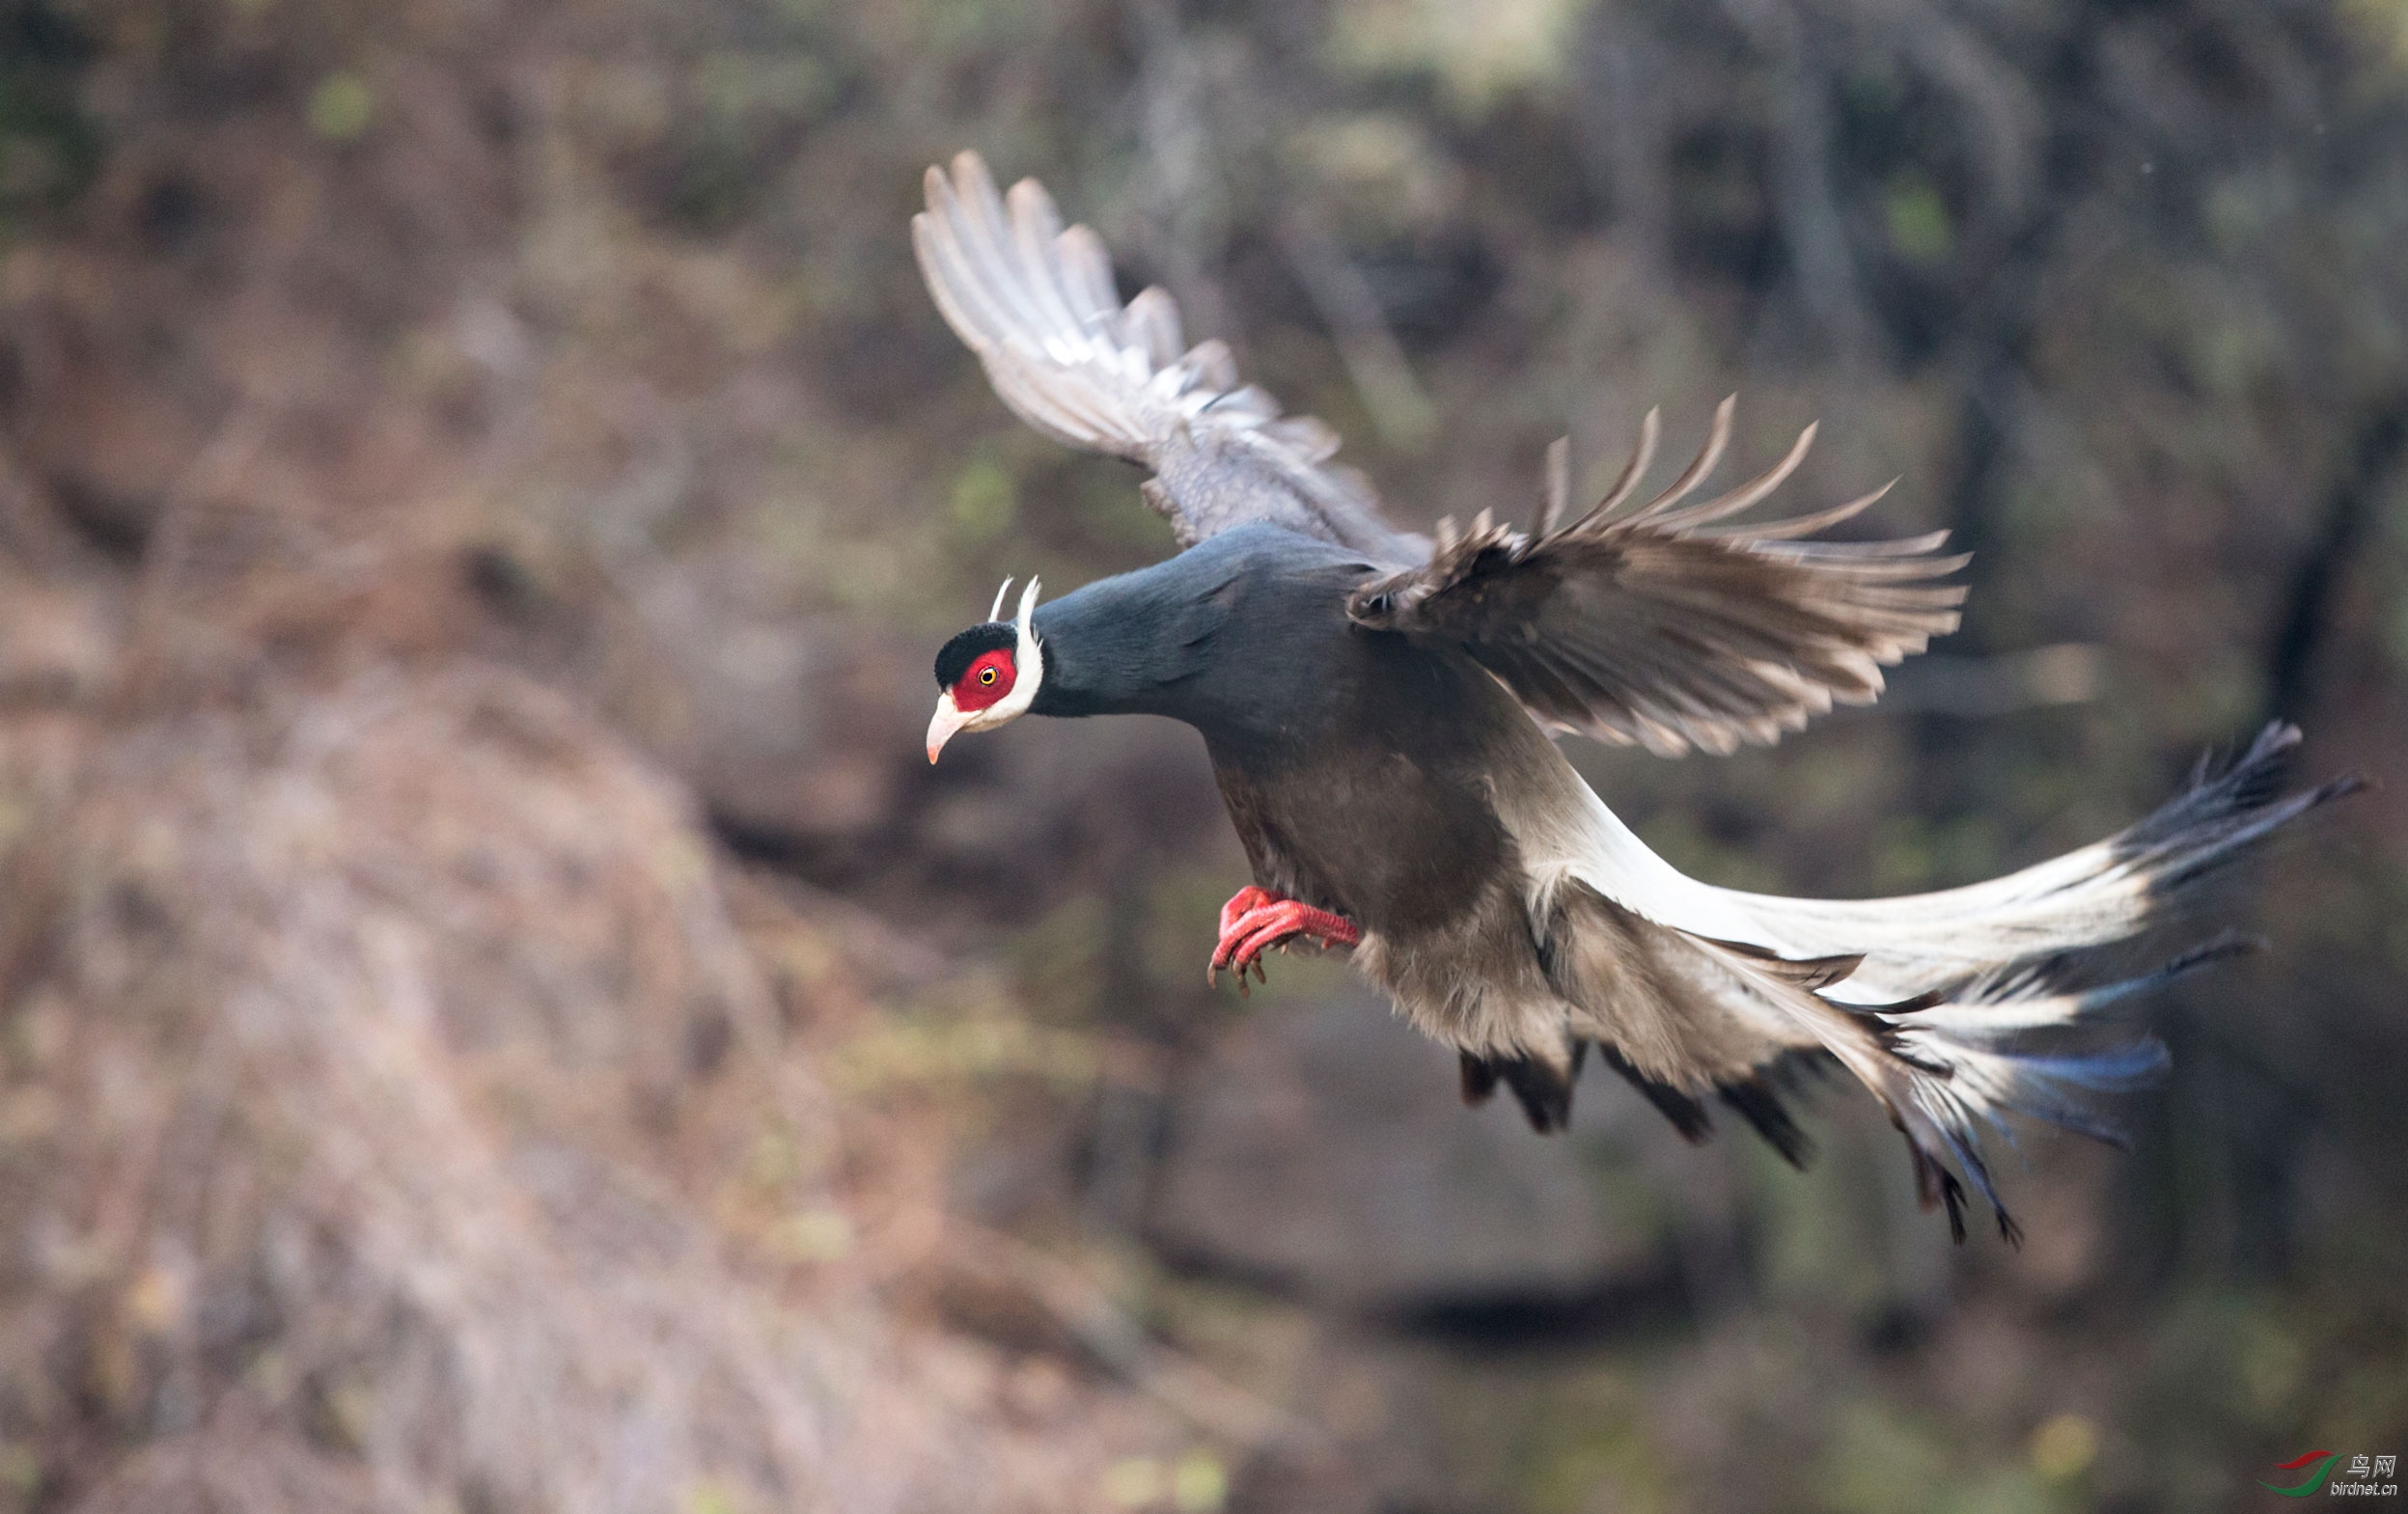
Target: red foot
[{"x": 1255, "y": 920}]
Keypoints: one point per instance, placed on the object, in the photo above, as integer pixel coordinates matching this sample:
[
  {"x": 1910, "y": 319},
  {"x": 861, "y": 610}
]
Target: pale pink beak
[{"x": 947, "y": 721}]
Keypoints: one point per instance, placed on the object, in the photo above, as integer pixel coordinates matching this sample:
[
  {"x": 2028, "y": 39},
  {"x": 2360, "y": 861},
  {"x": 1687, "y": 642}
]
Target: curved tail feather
[
  {"x": 1963, "y": 1008},
  {"x": 2102, "y": 894}
]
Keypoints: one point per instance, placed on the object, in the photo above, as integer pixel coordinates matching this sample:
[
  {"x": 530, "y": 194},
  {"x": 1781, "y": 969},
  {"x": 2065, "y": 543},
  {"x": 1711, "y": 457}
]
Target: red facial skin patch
[{"x": 985, "y": 682}]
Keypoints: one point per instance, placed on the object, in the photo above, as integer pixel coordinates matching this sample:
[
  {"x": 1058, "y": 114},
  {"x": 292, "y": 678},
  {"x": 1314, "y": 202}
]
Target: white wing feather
[{"x": 1035, "y": 301}]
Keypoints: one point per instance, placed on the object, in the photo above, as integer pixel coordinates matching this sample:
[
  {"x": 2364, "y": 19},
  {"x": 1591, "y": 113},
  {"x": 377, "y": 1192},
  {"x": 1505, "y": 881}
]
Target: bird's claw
[{"x": 1255, "y": 920}]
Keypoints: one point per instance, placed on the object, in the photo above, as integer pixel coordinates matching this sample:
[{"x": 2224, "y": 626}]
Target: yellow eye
[{"x": 988, "y": 677}]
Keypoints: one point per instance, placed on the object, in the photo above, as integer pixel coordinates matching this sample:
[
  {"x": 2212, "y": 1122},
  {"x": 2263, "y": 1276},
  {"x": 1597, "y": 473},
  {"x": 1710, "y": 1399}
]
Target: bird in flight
[{"x": 1377, "y": 707}]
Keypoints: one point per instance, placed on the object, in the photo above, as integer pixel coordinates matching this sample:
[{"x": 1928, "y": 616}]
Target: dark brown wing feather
[
  {"x": 1037, "y": 303},
  {"x": 1660, "y": 628}
]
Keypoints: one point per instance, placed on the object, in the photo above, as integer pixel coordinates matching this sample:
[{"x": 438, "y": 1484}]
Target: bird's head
[{"x": 989, "y": 673}]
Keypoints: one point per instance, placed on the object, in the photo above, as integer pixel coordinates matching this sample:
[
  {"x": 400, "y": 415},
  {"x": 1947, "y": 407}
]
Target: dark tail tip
[
  {"x": 1686, "y": 1112},
  {"x": 2340, "y": 787},
  {"x": 1479, "y": 1078},
  {"x": 1756, "y": 1103},
  {"x": 1543, "y": 1092},
  {"x": 2230, "y": 944},
  {"x": 1936, "y": 1185},
  {"x": 2258, "y": 775}
]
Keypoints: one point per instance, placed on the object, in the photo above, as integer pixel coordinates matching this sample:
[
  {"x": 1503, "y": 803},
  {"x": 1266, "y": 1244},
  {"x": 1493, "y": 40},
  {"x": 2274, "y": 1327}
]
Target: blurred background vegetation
[{"x": 496, "y": 1013}]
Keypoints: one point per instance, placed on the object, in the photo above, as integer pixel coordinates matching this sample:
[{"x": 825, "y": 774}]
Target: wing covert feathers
[
  {"x": 1037, "y": 303},
  {"x": 1662, "y": 625}
]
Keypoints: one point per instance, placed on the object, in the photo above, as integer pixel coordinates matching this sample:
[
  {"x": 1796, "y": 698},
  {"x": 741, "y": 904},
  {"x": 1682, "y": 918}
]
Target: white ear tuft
[
  {"x": 995, "y": 612},
  {"x": 1028, "y": 666}
]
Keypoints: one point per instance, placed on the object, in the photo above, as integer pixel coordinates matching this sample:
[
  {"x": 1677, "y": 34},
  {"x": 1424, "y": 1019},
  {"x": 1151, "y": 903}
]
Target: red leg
[
  {"x": 1244, "y": 899},
  {"x": 1255, "y": 920},
  {"x": 1244, "y": 902}
]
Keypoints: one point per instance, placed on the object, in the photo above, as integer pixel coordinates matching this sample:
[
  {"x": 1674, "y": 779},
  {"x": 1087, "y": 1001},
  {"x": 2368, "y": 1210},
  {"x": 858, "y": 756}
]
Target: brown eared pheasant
[{"x": 1377, "y": 707}]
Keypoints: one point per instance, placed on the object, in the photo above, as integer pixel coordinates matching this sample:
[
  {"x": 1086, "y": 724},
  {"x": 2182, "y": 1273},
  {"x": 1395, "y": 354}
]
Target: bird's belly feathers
[
  {"x": 1405, "y": 842},
  {"x": 1375, "y": 798},
  {"x": 1378, "y": 837}
]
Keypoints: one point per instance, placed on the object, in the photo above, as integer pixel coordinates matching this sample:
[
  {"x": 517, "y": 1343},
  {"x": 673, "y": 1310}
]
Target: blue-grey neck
[{"x": 1222, "y": 636}]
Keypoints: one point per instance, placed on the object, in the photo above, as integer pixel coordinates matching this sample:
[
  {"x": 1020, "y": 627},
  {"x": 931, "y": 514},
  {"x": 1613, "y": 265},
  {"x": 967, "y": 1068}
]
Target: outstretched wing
[
  {"x": 1037, "y": 305},
  {"x": 1658, "y": 626}
]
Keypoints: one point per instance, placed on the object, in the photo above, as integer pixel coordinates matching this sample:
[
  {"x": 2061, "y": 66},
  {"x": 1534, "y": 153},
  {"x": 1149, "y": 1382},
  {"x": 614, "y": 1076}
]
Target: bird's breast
[{"x": 1374, "y": 799}]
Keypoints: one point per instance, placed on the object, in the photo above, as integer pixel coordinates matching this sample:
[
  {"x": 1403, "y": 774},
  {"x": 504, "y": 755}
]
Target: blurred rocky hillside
[{"x": 496, "y": 1013}]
